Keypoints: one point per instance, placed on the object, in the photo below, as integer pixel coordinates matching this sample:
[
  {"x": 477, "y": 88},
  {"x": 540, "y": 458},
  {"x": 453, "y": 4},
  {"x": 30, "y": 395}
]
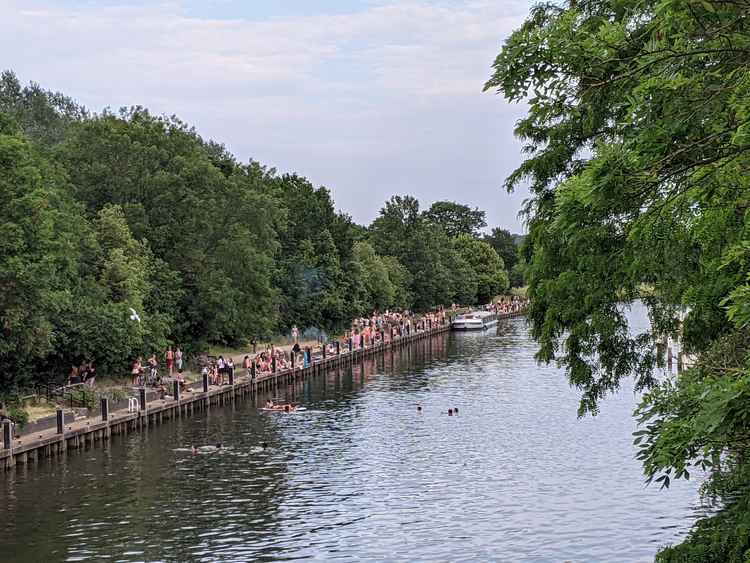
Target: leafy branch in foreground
[{"x": 638, "y": 150}]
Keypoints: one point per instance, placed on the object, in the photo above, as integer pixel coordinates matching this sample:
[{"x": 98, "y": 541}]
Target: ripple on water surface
[{"x": 362, "y": 475}]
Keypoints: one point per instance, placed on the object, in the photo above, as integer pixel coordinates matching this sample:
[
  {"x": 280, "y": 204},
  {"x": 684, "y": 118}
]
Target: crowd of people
[
  {"x": 149, "y": 374},
  {"x": 367, "y": 331},
  {"x": 83, "y": 373},
  {"x": 509, "y": 304}
]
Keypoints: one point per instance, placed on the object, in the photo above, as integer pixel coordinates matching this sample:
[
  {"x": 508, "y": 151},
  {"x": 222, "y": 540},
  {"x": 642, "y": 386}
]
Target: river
[{"x": 361, "y": 475}]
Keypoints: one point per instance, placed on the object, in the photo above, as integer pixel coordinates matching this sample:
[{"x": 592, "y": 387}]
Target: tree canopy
[
  {"x": 638, "y": 151},
  {"x": 104, "y": 213},
  {"x": 456, "y": 219}
]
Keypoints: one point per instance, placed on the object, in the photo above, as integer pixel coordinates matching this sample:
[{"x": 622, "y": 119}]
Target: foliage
[
  {"x": 638, "y": 150},
  {"x": 455, "y": 219},
  {"x": 486, "y": 265},
  {"x": 18, "y": 414},
  {"x": 505, "y": 244},
  {"x": 39, "y": 244},
  {"x": 103, "y": 215},
  {"x": 443, "y": 269}
]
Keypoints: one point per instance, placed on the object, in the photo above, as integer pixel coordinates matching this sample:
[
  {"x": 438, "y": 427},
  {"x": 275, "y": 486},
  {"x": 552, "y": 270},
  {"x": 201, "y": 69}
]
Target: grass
[{"x": 40, "y": 410}]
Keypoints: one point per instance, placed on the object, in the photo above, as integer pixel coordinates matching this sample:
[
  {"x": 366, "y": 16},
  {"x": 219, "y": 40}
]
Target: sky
[{"x": 370, "y": 98}]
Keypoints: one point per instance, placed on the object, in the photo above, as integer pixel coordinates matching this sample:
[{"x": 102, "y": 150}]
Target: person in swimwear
[{"x": 269, "y": 404}]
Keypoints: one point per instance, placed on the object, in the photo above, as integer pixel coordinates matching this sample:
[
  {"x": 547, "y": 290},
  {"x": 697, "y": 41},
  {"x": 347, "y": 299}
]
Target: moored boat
[{"x": 476, "y": 320}]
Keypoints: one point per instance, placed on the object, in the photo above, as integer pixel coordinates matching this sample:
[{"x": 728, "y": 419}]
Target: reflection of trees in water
[{"x": 138, "y": 494}]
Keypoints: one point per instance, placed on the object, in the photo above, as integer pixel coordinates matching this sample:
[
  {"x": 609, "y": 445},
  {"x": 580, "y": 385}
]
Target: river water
[{"x": 361, "y": 475}]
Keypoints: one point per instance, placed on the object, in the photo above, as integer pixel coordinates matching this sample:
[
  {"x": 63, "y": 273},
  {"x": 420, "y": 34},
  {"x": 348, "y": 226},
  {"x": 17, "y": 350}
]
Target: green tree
[
  {"x": 210, "y": 223},
  {"x": 403, "y": 232},
  {"x": 456, "y": 219},
  {"x": 39, "y": 254},
  {"x": 43, "y": 116},
  {"x": 505, "y": 245},
  {"x": 637, "y": 136},
  {"x": 486, "y": 265},
  {"x": 381, "y": 292}
]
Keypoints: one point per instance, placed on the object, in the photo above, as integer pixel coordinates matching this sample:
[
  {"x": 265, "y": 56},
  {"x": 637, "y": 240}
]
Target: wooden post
[
  {"x": 273, "y": 364},
  {"x": 176, "y": 390},
  {"x": 231, "y": 377},
  {"x": 351, "y": 344},
  {"x": 7, "y": 435},
  {"x": 104, "y": 402},
  {"x": 205, "y": 382},
  {"x": 324, "y": 350},
  {"x": 142, "y": 399},
  {"x": 291, "y": 357},
  {"x": 253, "y": 369}
]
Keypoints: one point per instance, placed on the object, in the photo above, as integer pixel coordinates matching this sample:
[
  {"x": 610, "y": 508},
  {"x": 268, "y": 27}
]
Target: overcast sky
[{"x": 370, "y": 98}]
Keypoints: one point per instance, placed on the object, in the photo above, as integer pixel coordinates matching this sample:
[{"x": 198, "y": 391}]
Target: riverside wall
[{"x": 90, "y": 431}]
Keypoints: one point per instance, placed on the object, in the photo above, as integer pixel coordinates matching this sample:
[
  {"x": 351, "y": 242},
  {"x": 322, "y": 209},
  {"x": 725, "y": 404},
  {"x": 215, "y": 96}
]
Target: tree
[
  {"x": 381, "y": 291},
  {"x": 402, "y": 232},
  {"x": 43, "y": 116},
  {"x": 456, "y": 219},
  {"x": 213, "y": 229},
  {"x": 505, "y": 245},
  {"x": 39, "y": 254},
  {"x": 638, "y": 144},
  {"x": 486, "y": 265}
]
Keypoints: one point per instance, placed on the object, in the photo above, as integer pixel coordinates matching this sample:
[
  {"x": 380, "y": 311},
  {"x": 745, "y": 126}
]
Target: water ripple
[{"x": 361, "y": 475}]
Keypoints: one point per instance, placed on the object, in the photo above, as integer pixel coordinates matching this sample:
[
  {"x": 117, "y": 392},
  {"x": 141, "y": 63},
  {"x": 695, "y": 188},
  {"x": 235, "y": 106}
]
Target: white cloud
[{"x": 341, "y": 98}]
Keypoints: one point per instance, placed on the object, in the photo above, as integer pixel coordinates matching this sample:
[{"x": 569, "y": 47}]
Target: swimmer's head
[
  {"x": 450, "y": 412},
  {"x": 264, "y": 445}
]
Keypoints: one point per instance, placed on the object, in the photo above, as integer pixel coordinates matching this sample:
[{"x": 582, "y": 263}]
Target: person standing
[
  {"x": 169, "y": 356},
  {"x": 229, "y": 368},
  {"x": 220, "y": 368},
  {"x": 178, "y": 358},
  {"x": 295, "y": 334}
]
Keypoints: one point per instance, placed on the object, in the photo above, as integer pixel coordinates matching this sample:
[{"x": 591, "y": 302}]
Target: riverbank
[{"x": 148, "y": 409}]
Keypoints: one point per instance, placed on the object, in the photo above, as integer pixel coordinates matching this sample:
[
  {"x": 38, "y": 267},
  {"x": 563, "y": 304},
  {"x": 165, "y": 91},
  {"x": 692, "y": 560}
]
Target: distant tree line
[{"x": 105, "y": 215}]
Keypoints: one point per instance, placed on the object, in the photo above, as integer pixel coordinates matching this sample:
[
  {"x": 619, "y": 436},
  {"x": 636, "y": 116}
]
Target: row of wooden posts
[{"x": 141, "y": 411}]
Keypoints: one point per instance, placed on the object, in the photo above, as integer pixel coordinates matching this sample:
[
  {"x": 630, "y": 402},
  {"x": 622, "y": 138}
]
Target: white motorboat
[{"x": 476, "y": 320}]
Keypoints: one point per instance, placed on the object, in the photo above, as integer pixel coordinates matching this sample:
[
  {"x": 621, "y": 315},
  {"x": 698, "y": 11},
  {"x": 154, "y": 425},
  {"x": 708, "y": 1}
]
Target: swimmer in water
[
  {"x": 218, "y": 446},
  {"x": 455, "y": 411},
  {"x": 194, "y": 449},
  {"x": 287, "y": 408},
  {"x": 264, "y": 445},
  {"x": 450, "y": 412},
  {"x": 269, "y": 404},
  {"x": 419, "y": 408}
]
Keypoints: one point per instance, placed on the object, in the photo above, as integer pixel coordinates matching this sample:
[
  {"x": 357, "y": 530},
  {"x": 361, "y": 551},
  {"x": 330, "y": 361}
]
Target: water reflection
[{"x": 362, "y": 475}]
